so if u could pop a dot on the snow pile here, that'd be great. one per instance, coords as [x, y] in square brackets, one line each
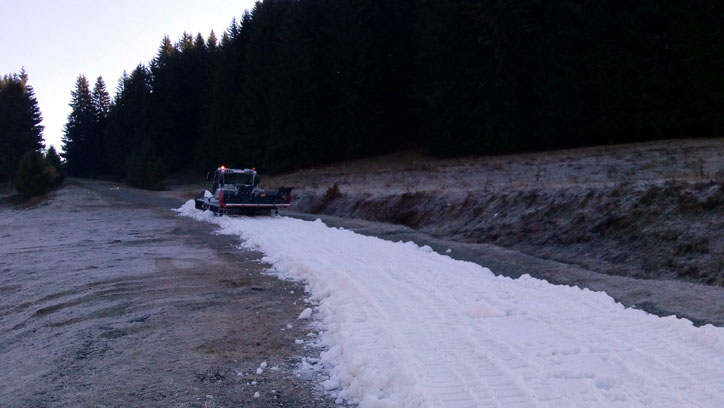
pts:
[407, 327]
[306, 314]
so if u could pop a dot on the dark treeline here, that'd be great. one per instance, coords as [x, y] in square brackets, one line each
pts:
[299, 83]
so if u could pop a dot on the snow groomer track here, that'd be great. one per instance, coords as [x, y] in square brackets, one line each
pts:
[404, 326]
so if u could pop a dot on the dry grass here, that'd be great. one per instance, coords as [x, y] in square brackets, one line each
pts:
[691, 161]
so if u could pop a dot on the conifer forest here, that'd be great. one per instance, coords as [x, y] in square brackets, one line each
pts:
[300, 83]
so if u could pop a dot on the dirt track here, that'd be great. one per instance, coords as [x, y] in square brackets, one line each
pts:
[109, 299]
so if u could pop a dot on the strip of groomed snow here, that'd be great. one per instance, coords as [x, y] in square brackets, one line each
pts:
[407, 327]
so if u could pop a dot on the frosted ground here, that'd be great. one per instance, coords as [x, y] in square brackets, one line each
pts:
[403, 326]
[109, 299]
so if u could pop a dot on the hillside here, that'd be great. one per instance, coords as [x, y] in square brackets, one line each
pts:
[648, 210]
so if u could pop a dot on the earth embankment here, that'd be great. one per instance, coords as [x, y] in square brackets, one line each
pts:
[653, 232]
[648, 213]
[650, 210]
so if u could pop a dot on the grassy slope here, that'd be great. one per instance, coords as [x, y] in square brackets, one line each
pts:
[651, 210]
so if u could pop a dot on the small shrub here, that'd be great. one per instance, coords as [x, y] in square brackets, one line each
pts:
[55, 169]
[33, 178]
[331, 194]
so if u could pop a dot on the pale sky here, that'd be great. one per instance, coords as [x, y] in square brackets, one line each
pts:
[57, 40]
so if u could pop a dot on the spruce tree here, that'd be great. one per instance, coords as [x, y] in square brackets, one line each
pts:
[101, 100]
[165, 55]
[101, 107]
[186, 43]
[212, 43]
[178, 105]
[80, 130]
[128, 119]
[234, 29]
[20, 129]
[199, 43]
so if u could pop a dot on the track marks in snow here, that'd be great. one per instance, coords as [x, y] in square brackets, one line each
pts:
[411, 328]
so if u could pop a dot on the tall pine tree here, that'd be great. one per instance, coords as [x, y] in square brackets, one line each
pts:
[128, 119]
[101, 100]
[80, 130]
[20, 129]
[101, 106]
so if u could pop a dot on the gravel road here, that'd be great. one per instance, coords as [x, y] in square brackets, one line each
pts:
[110, 299]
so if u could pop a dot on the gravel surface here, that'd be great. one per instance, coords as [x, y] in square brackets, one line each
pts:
[110, 299]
